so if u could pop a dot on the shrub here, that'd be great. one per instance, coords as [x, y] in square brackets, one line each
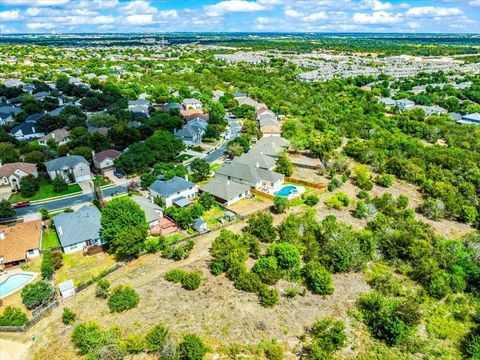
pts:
[268, 297]
[267, 270]
[13, 316]
[29, 185]
[47, 265]
[311, 200]
[261, 226]
[134, 344]
[68, 316]
[36, 294]
[174, 275]
[103, 289]
[318, 279]
[59, 184]
[191, 280]
[287, 255]
[384, 180]
[192, 348]
[362, 177]
[329, 334]
[169, 352]
[152, 245]
[247, 281]
[57, 259]
[88, 338]
[280, 204]
[156, 338]
[273, 351]
[338, 201]
[123, 297]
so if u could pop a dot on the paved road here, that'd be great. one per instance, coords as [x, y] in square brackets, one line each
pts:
[70, 201]
[235, 131]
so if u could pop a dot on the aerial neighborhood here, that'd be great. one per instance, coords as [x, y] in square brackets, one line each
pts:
[263, 196]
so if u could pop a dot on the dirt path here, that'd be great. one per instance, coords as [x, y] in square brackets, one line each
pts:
[13, 350]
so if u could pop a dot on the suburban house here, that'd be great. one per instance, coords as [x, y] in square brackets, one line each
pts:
[104, 160]
[256, 159]
[252, 176]
[12, 173]
[405, 104]
[5, 118]
[192, 104]
[34, 118]
[176, 191]
[26, 130]
[172, 106]
[268, 122]
[153, 212]
[276, 141]
[192, 133]
[433, 110]
[139, 106]
[79, 229]
[472, 119]
[19, 243]
[13, 83]
[226, 192]
[59, 135]
[200, 225]
[388, 102]
[72, 168]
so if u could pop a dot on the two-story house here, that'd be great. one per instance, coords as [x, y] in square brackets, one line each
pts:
[176, 191]
[72, 168]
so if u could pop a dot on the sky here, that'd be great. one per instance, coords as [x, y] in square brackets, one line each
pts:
[86, 16]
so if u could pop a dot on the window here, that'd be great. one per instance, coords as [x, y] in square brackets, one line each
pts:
[31, 252]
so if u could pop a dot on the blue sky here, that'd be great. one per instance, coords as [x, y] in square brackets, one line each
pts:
[57, 16]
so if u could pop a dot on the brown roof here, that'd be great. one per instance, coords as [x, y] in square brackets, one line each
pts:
[58, 134]
[18, 239]
[197, 116]
[106, 154]
[186, 113]
[9, 169]
[270, 129]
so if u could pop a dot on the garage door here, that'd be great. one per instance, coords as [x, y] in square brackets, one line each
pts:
[83, 178]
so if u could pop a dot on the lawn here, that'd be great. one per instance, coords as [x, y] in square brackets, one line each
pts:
[184, 157]
[49, 239]
[212, 215]
[45, 192]
[82, 268]
[101, 180]
[172, 239]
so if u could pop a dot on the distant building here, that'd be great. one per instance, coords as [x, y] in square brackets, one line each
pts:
[153, 212]
[472, 119]
[26, 131]
[192, 133]
[192, 104]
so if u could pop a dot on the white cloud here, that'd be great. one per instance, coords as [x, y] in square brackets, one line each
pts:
[292, 13]
[320, 15]
[138, 7]
[377, 17]
[144, 19]
[431, 11]
[474, 3]
[166, 14]
[41, 26]
[233, 6]
[10, 15]
[35, 2]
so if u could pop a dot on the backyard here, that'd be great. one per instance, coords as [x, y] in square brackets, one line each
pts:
[49, 239]
[45, 192]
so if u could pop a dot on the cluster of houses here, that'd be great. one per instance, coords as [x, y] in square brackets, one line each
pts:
[254, 58]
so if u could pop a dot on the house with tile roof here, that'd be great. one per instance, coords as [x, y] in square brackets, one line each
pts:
[12, 173]
[20, 242]
[79, 229]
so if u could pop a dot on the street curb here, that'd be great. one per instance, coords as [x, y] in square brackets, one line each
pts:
[37, 202]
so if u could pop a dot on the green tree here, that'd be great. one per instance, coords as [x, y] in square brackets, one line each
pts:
[129, 242]
[36, 294]
[267, 270]
[122, 298]
[47, 268]
[284, 165]
[68, 316]
[280, 204]
[13, 316]
[6, 209]
[200, 170]
[287, 255]
[261, 226]
[318, 279]
[29, 185]
[156, 338]
[206, 200]
[59, 184]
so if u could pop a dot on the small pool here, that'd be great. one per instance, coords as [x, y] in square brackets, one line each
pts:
[13, 283]
[286, 191]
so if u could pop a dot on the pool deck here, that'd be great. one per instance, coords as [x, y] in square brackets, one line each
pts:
[16, 271]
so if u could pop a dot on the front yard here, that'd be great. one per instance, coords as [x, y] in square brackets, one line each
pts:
[45, 192]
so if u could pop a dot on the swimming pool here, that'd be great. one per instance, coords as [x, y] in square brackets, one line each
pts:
[286, 191]
[14, 282]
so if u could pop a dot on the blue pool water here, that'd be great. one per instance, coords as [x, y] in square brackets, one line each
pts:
[14, 282]
[286, 191]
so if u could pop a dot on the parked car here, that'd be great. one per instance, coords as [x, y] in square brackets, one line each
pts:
[21, 205]
[119, 174]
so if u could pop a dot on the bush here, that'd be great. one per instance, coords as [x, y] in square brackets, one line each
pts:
[169, 352]
[29, 185]
[134, 344]
[311, 200]
[47, 265]
[191, 280]
[152, 245]
[384, 180]
[36, 294]
[268, 297]
[59, 184]
[57, 259]
[123, 297]
[192, 348]
[318, 279]
[267, 270]
[174, 275]
[362, 177]
[338, 201]
[273, 351]
[68, 316]
[103, 289]
[328, 334]
[287, 255]
[88, 338]
[280, 204]
[13, 316]
[247, 281]
[261, 226]
[156, 338]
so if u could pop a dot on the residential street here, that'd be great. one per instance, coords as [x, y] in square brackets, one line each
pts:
[235, 128]
[70, 201]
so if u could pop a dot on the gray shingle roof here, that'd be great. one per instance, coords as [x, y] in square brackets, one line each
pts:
[224, 189]
[248, 173]
[168, 187]
[152, 211]
[79, 226]
[65, 162]
[254, 158]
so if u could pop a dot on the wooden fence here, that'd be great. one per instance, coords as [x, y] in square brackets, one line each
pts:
[305, 183]
[39, 314]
